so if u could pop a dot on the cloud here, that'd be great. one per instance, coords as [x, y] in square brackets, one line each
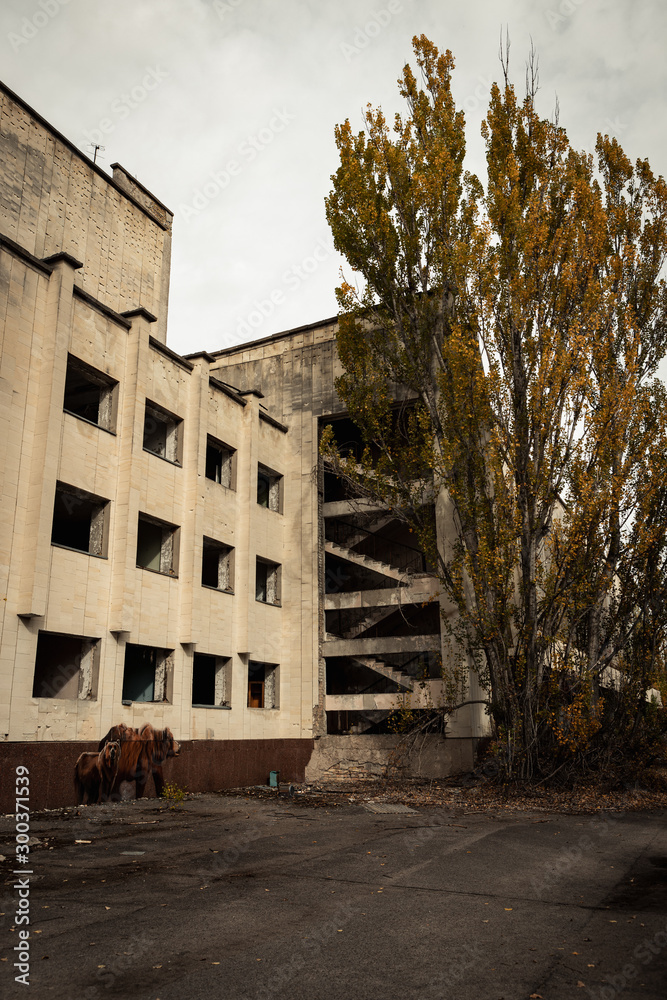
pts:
[229, 67]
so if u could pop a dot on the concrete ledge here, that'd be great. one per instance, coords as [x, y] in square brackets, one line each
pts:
[382, 646]
[424, 694]
[101, 307]
[421, 588]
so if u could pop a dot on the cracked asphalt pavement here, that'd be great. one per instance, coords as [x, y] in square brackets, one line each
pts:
[272, 898]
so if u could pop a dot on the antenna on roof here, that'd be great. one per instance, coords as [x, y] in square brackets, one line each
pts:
[95, 147]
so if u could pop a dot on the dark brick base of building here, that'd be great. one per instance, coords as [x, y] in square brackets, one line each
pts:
[202, 766]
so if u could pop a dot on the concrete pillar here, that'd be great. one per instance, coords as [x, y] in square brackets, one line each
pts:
[48, 371]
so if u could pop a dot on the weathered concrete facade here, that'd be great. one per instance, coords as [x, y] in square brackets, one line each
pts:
[145, 576]
[171, 549]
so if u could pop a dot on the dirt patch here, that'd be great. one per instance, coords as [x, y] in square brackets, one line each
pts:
[468, 795]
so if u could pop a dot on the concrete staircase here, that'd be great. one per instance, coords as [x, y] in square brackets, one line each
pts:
[366, 562]
[373, 617]
[396, 676]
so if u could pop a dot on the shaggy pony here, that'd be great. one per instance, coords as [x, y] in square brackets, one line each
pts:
[95, 773]
[142, 754]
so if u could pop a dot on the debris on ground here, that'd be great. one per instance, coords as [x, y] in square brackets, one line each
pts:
[466, 794]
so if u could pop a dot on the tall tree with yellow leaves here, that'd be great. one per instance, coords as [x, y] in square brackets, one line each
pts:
[525, 318]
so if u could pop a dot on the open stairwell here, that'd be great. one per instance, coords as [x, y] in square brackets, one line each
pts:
[366, 562]
[397, 676]
[372, 617]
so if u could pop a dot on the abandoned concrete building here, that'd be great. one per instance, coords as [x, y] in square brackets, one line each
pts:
[172, 550]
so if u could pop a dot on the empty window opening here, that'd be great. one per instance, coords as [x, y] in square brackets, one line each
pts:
[267, 582]
[263, 685]
[90, 394]
[80, 521]
[148, 673]
[217, 566]
[66, 666]
[269, 489]
[211, 681]
[163, 433]
[157, 545]
[220, 463]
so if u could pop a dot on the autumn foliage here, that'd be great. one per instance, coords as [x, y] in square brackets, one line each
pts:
[522, 321]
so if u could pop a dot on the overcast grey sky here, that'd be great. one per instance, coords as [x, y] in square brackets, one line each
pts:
[225, 110]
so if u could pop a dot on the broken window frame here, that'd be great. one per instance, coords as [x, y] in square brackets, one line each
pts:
[49, 681]
[73, 499]
[107, 393]
[170, 448]
[264, 685]
[268, 581]
[163, 674]
[269, 496]
[224, 470]
[225, 565]
[169, 546]
[222, 681]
